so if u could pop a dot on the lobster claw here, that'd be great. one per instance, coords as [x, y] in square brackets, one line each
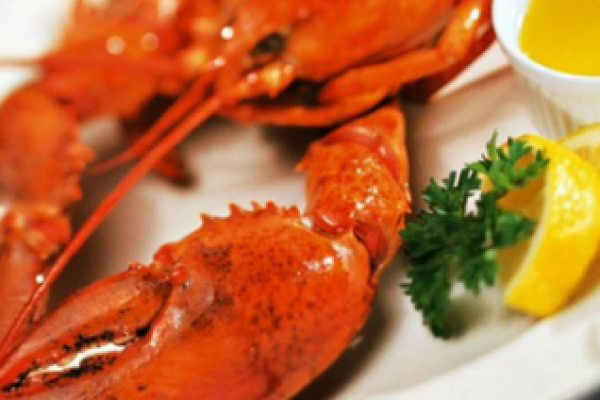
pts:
[225, 307]
[117, 311]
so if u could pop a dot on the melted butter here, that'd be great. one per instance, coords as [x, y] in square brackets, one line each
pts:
[563, 35]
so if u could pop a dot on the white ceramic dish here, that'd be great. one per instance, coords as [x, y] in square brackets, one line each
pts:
[559, 102]
[502, 356]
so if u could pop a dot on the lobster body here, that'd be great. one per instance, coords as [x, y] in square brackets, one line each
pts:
[306, 29]
[271, 60]
[254, 305]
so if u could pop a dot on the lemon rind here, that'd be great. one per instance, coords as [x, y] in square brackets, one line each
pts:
[532, 288]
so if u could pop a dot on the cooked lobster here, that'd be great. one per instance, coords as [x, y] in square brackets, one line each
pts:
[257, 302]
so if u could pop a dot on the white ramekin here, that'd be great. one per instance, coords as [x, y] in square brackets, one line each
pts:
[559, 102]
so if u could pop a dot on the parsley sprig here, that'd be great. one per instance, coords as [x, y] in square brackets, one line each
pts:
[447, 242]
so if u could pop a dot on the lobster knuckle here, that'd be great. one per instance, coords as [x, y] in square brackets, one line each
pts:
[374, 197]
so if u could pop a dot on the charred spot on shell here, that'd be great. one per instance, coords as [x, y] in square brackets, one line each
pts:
[87, 354]
[206, 319]
[271, 45]
[299, 93]
[83, 342]
[303, 93]
[18, 382]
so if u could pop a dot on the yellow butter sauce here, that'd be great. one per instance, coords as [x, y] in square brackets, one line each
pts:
[563, 35]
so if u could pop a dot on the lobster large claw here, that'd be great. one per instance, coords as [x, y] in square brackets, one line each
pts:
[250, 306]
[228, 306]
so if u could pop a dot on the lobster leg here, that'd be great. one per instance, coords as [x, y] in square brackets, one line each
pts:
[173, 166]
[183, 106]
[250, 306]
[41, 160]
[299, 115]
[459, 42]
[423, 89]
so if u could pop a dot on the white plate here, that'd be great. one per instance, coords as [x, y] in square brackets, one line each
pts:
[502, 356]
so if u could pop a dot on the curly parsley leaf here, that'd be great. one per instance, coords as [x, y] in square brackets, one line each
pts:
[447, 242]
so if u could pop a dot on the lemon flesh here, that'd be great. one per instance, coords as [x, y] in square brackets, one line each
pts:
[543, 272]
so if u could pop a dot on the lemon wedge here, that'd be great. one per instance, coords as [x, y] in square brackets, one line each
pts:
[543, 272]
[586, 143]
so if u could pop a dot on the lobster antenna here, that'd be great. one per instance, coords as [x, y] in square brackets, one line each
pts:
[156, 66]
[19, 62]
[171, 140]
[182, 107]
